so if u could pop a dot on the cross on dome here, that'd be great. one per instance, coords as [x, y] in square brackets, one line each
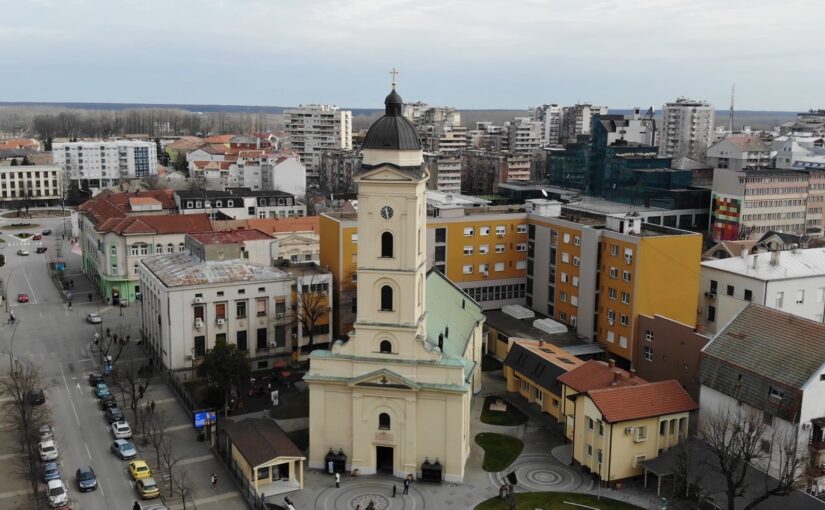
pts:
[394, 74]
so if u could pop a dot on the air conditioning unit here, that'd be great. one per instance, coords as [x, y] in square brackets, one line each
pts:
[273, 343]
[199, 323]
[486, 273]
[629, 430]
[279, 316]
[189, 357]
[198, 300]
[710, 295]
[221, 322]
[628, 258]
[611, 321]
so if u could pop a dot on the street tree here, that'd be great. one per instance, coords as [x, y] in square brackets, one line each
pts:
[739, 439]
[182, 487]
[311, 305]
[25, 419]
[169, 459]
[154, 431]
[225, 367]
[133, 386]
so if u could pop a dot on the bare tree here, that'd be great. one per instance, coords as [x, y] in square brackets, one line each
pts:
[311, 305]
[113, 343]
[739, 438]
[24, 418]
[169, 459]
[132, 387]
[154, 432]
[182, 487]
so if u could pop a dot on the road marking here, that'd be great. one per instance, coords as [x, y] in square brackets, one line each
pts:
[69, 394]
[87, 451]
[211, 499]
[30, 286]
[8, 456]
[194, 460]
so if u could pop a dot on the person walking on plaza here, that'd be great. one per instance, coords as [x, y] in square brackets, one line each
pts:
[337, 480]
[406, 485]
[214, 480]
[394, 490]
[136, 506]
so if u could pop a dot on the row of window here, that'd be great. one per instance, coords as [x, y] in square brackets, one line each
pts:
[497, 292]
[242, 342]
[241, 309]
[501, 230]
[498, 267]
[484, 249]
[613, 293]
[262, 202]
[137, 249]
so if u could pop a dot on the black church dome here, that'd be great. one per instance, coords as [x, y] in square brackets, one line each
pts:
[392, 131]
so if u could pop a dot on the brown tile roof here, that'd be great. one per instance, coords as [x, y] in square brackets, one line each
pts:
[623, 403]
[219, 139]
[143, 201]
[186, 143]
[594, 375]
[260, 440]
[162, 224]
[229, 236]
[109, 205]
[276, 225]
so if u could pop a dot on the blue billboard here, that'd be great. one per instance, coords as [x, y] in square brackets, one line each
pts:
[201, 418]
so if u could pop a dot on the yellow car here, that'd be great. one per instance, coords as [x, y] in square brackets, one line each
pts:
[147, 488]
[139, 469]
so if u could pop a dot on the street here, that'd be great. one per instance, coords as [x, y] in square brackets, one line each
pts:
[59, 341]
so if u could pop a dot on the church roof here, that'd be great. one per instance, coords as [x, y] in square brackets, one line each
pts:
[454, 314]
[392, 131]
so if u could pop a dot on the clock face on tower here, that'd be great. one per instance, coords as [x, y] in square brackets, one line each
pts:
[386, 212]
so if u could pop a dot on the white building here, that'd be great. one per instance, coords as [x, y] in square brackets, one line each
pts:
[260, 170]
[313, 129]
[791, 281]
[239, 204]
[549, 115]
[525, 135]
[575, 120]
[37, 184]
[771, 363]
[106, 163]
[445, 171]
[737, 152]
[799, 149]
[687, 129]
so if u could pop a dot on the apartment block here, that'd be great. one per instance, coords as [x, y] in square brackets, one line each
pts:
[687, 129]
[260, 169]
[576, 120]
[740, 152]
[313, 129]
[105, 163]
[445, 171]
[31, 184]
[337, 168]
[483, 171]
[525, 135]
[239, 204]
[549, 115]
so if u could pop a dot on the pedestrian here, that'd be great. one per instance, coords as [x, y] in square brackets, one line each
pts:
[71, 284]
[70, 305]
[357, 507]
[394, 490]
[337, 480]
[90, 297]
[153, 406]
[406, 485]
[214, 480]
[136, 506]
[128, 338]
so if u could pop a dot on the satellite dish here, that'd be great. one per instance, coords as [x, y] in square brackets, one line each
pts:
[544, 192]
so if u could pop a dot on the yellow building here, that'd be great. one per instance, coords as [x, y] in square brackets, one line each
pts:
[397, 391]
[617, 420]
[532, 369]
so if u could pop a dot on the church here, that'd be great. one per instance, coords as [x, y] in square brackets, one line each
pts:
[396, 393]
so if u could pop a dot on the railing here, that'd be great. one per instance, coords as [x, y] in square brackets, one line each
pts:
[248, 491]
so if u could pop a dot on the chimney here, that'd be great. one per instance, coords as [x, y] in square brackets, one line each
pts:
[611, 363]
[632, 373]
[541, 343]
[775, 254]
[617, 376]
[744, 254]
[755, 260]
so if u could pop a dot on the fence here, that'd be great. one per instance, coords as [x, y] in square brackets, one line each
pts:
[253, 499]
[179, 391]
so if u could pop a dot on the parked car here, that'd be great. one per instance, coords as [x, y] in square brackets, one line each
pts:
[94, 318]
[107, 402]
[96, 378]
[102, 390]
[48, 450]
[23, 253]
[45, 432]
[124, 449]
[37, 237]
[121, 429]
[22, 298]
[86, 479]
[50, 471]
[41, 249]
[147, 488]
[58, 496]
[114, 414]
[36, 397]
[139, 469]
[47, 232]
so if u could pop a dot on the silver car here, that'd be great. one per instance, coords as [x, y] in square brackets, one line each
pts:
[121, 430]
[94, 318]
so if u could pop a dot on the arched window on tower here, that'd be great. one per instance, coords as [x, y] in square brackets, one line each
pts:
[386, 245]
[385, 346]
[384, 421]
[386, 298]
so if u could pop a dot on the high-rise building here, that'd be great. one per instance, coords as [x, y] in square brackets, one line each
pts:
[105, 163]
[30, 184]
[525, 135]
[445, 171]
[576, 120]
[549, 115]
[687, 129]
[315, 128]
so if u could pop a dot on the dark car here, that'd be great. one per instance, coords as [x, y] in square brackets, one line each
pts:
[114, 414]
[50, 471]
[96, 378]
[41, 249]
[36, 397]
[47, 232]
[108, 402]
[86, 479]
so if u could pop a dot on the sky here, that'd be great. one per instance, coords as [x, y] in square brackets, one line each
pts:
[471, 54]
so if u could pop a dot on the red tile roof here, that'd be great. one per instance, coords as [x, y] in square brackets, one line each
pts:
[598, 374]
[110, 206]
[229, 236]
[623, 403]
[276, 225]
[160, 224]
[219, 139]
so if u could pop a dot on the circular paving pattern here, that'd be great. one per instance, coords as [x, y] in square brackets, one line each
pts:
[538, 472]
[360, 492]
[380, 502]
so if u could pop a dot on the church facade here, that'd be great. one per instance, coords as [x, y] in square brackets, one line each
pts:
[397, 392]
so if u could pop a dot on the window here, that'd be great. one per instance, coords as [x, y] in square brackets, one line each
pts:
[611, 337]
[386, 245]
[499, 267]
[484, 269]
[800, 297]
[354, 238]
[575, 281]
[170, 248]
[144, 249]
[648, 352]
[501, 230]
[133, 249]
[780, 299]
[499, 248]
[260, 339]
[711, 313]
[611, 315]
[468, 250]
[180, 247]
[574, 300]
[158, 248]
[386, 298]
[648, 335]
[577, 261]
[113, 250]
[623, 319]
[240, 309]
[565, 257]
[483, 231]
[774, 393]
[626, 276]
[135, 268]
[385, 346]
[468, 269]
[521, 264]
[614, 272]
[614, 250]
[260, 307]
[220, 310]
[730, 290]
[589, 423]
[384, 421]
[441, 235]
[577, 240]
[240, 341]
[521, 229]
[566, 238]
[469, 232]
[748, 295]
[611, 293]
[563, 277]
[623, 342]
[200, 346]
[484, 249]
[563, 297]
[521, 247]
[599, 456]
[589, 451]
[641, 433]
[713, 286]
[820, 295]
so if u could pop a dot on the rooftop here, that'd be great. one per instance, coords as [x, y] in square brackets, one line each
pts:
[543, 363]
[508, 325]
[623, 403]
[260, 440]
[594, 375]
[184, 270]
[791, 264]
[231, 192]
[229, 236]
[109, 205]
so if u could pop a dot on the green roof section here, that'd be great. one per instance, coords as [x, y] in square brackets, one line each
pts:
[450, 307]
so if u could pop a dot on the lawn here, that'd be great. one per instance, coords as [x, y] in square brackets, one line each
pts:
[489, 364]
[499, 450]
[555, 500]
[292, 405]
[510, 417]
[23, 235]
[21, 226]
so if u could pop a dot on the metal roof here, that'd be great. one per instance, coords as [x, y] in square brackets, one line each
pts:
[185, 270]
[392, 131]
[791, 264]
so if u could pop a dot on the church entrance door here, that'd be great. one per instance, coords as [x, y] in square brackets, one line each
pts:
[383, 459]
